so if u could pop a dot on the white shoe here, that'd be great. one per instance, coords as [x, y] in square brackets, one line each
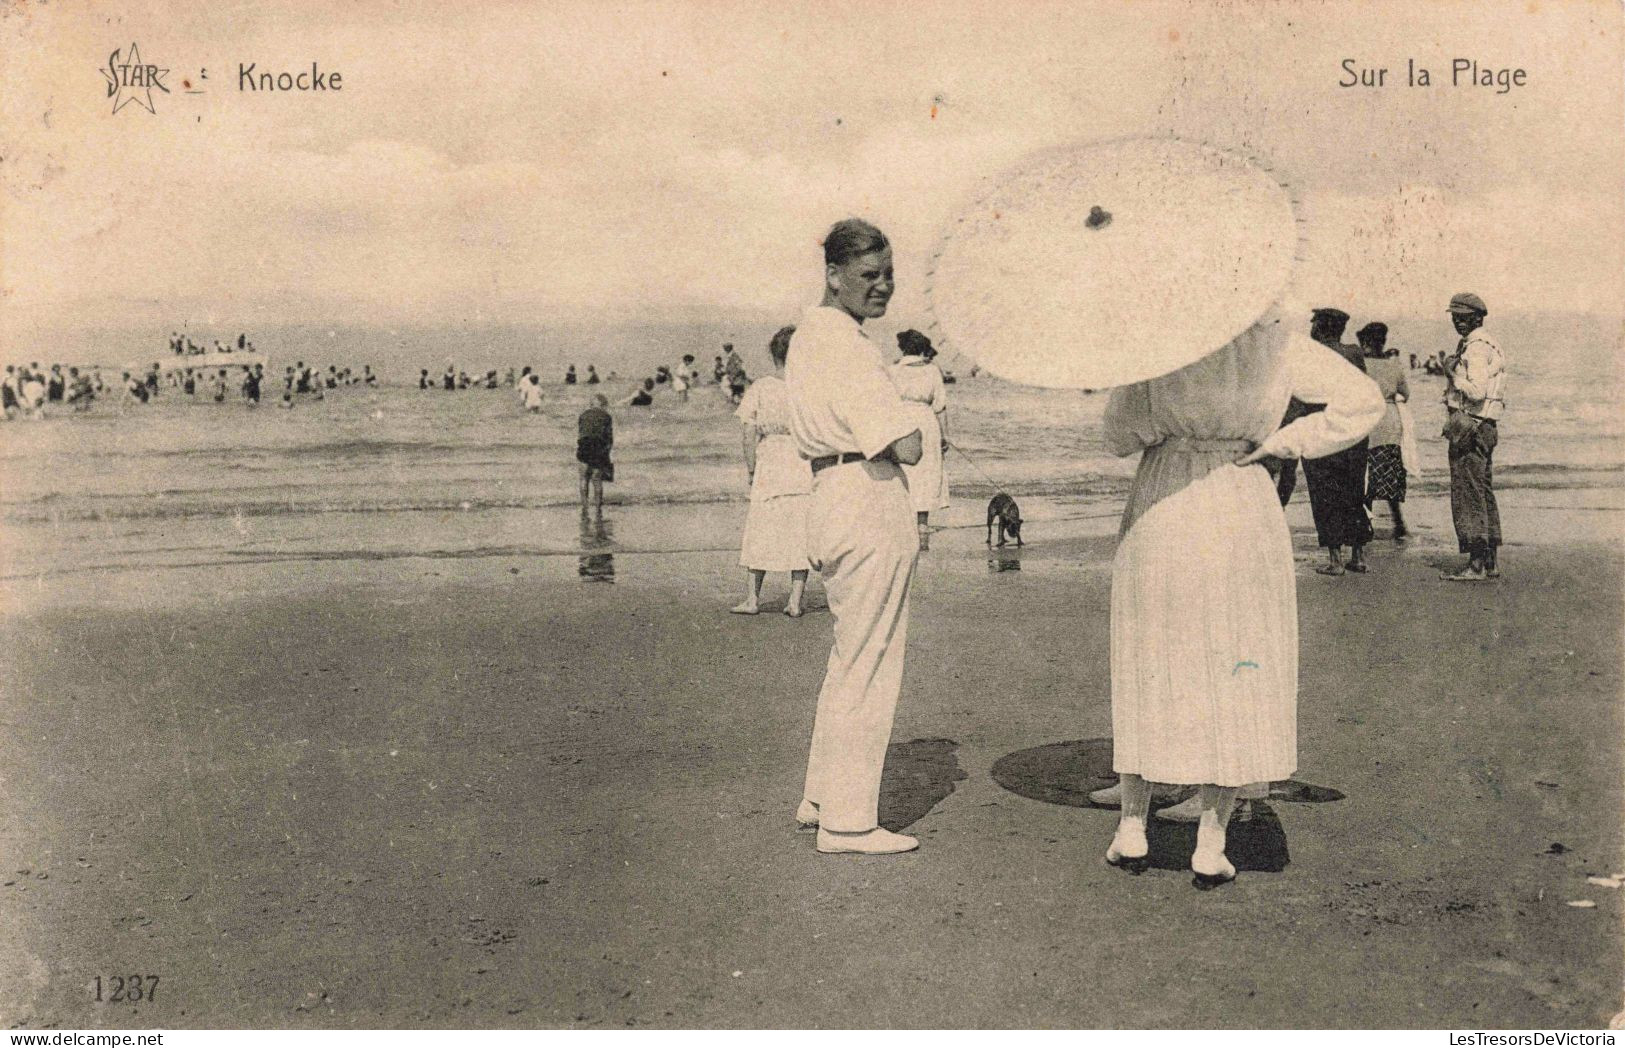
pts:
[1129, 850]
[874, 842]
[1210, 867]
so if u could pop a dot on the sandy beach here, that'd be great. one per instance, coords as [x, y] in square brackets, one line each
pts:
[323, 707]
[489, 792]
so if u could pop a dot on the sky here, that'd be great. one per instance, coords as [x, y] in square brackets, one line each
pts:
[583, 162]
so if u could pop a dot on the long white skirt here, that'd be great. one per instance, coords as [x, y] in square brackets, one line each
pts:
[776, 534]
[1204, 626]
[927, 480]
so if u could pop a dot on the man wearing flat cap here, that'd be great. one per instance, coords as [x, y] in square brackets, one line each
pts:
[1475, 383]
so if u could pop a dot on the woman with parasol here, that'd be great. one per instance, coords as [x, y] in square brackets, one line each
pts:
[1170, 291]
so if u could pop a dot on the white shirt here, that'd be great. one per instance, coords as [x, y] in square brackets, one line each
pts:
[1476, 381]
[919, 380]
[841, 399]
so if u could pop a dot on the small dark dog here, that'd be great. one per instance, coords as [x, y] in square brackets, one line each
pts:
[1003, 509]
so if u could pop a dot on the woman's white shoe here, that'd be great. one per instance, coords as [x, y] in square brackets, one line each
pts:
[874, 842]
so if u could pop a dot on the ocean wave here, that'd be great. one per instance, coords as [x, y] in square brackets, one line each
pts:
[140, 509]
[321, 498]
[232, 558]
[331, 450]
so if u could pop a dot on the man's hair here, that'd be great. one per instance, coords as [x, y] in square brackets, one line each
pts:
[851, 238]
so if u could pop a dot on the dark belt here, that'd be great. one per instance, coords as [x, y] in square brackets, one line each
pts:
[824, 462]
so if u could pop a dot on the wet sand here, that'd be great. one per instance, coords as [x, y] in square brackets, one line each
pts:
[491, 792]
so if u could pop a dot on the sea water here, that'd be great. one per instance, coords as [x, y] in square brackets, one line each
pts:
[394, 471]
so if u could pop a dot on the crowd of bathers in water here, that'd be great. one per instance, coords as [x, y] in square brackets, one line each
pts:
[728, 371]
[453, 378]
[29, 390]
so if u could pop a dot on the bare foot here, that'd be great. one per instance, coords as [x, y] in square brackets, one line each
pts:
[747, 608]
[793, 610]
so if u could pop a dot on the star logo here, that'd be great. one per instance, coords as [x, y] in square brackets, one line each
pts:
[131, 80]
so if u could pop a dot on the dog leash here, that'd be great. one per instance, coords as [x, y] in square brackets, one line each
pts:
[973, 464]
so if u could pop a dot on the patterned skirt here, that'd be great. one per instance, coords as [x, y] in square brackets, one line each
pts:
[1387, 475]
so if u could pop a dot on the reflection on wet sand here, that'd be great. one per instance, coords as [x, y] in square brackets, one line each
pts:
[596, 534]
[1003, 560]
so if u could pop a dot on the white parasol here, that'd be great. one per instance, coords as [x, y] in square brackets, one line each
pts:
[1113, 262]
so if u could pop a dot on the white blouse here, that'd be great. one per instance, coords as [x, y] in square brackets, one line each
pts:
[919, 380]
[1241, 392]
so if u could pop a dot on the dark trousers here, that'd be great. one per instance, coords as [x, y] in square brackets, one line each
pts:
[1337, 497]
[1472, 494]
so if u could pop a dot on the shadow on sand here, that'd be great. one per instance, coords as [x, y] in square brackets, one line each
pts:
[1066, 772]
[918, 776]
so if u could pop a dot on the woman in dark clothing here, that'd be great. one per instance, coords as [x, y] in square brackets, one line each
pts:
[1337, 481]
